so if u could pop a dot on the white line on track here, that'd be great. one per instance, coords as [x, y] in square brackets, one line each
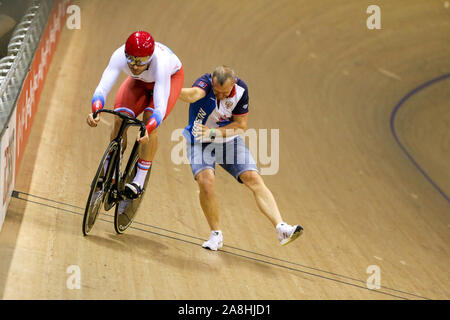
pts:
[389, 74]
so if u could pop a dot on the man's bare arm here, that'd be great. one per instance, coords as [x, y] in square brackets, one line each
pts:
[191, 95]
[239, 125]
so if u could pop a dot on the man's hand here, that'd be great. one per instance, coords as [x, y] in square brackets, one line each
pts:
[144, 139]
[203, 133]
[91, 121]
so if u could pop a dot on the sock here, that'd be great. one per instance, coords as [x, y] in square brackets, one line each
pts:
[142, 169]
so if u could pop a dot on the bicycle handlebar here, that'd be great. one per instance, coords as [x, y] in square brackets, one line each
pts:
[132, 121]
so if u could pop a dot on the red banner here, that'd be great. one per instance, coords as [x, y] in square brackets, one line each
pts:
[28, 100]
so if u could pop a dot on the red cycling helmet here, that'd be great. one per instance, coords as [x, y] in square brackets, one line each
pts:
[140, 44]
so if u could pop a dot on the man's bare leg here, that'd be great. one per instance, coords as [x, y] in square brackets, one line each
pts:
[267, 205]
[208, 201]
[263, 196]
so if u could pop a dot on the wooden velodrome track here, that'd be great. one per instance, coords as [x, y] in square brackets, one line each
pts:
[331, 87]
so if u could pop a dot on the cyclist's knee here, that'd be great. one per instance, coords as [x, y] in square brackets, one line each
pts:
[146, 116]
[154, 133]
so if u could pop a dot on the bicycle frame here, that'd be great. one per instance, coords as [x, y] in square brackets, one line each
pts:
[127, 122]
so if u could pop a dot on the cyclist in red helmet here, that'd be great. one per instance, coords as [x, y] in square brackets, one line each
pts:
[154, 82]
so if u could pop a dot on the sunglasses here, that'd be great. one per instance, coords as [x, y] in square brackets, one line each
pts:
[140, 61]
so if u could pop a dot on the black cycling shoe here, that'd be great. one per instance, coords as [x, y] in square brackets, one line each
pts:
[132, 190]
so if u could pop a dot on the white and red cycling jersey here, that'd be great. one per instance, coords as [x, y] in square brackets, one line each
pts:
[164, 64]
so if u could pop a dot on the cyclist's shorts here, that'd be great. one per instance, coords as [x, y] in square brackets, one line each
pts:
[135, 96]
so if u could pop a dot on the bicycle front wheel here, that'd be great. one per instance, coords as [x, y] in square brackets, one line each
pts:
[99, 189]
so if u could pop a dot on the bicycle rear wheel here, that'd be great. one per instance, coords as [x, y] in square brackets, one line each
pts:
[99, 188]
[126, 209]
